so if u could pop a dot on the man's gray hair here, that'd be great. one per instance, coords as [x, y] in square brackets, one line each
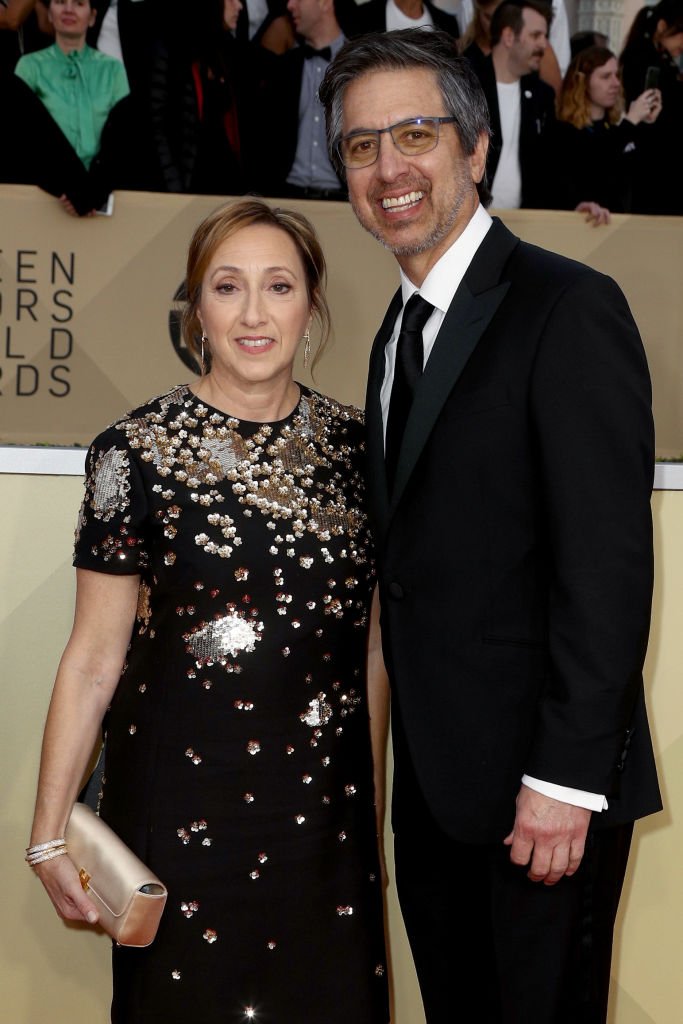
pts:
[404, 50]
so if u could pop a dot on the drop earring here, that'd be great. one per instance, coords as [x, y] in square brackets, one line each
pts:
[307, 346]
[202, 358]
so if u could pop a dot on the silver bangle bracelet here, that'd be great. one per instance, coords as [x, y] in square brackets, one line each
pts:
[40, 858]
[30, 850]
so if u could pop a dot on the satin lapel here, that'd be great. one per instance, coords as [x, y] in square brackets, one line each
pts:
[378, 497]
[472, 309]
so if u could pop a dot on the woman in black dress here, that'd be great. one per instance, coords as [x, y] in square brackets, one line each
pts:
[599, 147]
[224, 561]
[204, 86]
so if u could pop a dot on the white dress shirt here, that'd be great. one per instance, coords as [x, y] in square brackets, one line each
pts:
[439, 288]
[506, 187]
[396, 19]
[109, 40]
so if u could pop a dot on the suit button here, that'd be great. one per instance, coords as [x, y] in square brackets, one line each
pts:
[396, 590]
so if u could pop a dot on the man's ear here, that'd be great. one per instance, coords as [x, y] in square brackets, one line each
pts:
[507, 37]
[478, 158]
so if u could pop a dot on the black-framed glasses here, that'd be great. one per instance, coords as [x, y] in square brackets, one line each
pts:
[413, 137]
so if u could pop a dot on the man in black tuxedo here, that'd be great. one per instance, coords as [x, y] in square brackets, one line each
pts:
[514, 547]
[295, 163]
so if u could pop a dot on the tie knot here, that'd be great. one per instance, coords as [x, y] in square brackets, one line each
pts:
[415, 314]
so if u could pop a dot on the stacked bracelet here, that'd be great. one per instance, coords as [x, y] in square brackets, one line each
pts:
[45, 851]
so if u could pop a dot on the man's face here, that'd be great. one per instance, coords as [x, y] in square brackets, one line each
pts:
[306, 15]
[416, 206]
[529, 46]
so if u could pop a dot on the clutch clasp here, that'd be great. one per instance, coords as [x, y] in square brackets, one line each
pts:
[85, 878]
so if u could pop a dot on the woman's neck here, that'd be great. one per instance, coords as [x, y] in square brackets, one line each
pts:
[260, 403]
[68, 46]
[596, 113]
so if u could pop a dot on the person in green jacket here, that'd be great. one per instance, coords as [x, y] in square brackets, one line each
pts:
[78, 86]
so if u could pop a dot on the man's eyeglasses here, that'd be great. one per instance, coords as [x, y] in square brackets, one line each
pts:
[412, 138]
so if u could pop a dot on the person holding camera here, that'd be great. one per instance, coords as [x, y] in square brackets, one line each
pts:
[650, 59]
[599, 147]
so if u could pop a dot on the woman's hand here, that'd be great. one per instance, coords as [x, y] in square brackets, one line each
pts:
[595, 214]
[60, 878]
[71, 209]
[647, 107]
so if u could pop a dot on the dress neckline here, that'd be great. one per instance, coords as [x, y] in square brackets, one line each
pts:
[252, 426]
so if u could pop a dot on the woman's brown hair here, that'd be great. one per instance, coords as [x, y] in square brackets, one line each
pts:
[574, 103]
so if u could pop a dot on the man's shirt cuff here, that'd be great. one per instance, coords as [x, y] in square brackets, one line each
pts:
[578, 797]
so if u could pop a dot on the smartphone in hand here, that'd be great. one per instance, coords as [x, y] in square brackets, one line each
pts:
[651, 78]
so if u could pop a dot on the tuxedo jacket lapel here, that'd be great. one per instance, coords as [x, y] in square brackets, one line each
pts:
[472, 309]
[467, 318]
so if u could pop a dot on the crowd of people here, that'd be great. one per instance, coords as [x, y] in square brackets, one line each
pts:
[222, 98]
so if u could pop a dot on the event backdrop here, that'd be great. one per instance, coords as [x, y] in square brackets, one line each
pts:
[85, 304]
[121, 275]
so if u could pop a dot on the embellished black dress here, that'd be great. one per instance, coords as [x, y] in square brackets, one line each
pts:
[238, 757]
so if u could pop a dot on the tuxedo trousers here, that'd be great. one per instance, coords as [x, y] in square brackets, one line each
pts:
[491, 946]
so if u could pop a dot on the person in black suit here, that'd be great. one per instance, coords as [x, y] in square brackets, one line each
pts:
[514, 542]
[383, 16]
[522, 164]
[132, 31]
[132, 28]
[521, 106]
[294, 161]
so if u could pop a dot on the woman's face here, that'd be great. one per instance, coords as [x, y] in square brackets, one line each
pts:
[254, 307]
[231, 12]
[673, 44]
[71, 18]
[604, 85]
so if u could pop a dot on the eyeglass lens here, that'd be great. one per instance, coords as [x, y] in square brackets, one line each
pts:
[410, 137]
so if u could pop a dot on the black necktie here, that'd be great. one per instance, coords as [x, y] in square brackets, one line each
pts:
[407, 372]
[325, 52]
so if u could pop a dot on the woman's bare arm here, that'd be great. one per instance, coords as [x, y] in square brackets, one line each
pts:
[86, 680]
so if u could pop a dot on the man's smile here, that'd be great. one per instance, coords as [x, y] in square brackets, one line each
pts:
[408, 199]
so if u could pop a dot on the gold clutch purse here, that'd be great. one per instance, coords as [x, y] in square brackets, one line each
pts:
[130, 899]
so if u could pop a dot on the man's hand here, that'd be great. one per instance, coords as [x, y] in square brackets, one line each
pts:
[548, 835]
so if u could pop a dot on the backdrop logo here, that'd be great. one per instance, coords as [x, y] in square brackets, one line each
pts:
[175, 317]
[36, 329]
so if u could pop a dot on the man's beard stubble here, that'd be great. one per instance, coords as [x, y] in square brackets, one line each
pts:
[441, 229]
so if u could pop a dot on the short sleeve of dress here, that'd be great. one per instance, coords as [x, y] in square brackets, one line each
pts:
[112, 528]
